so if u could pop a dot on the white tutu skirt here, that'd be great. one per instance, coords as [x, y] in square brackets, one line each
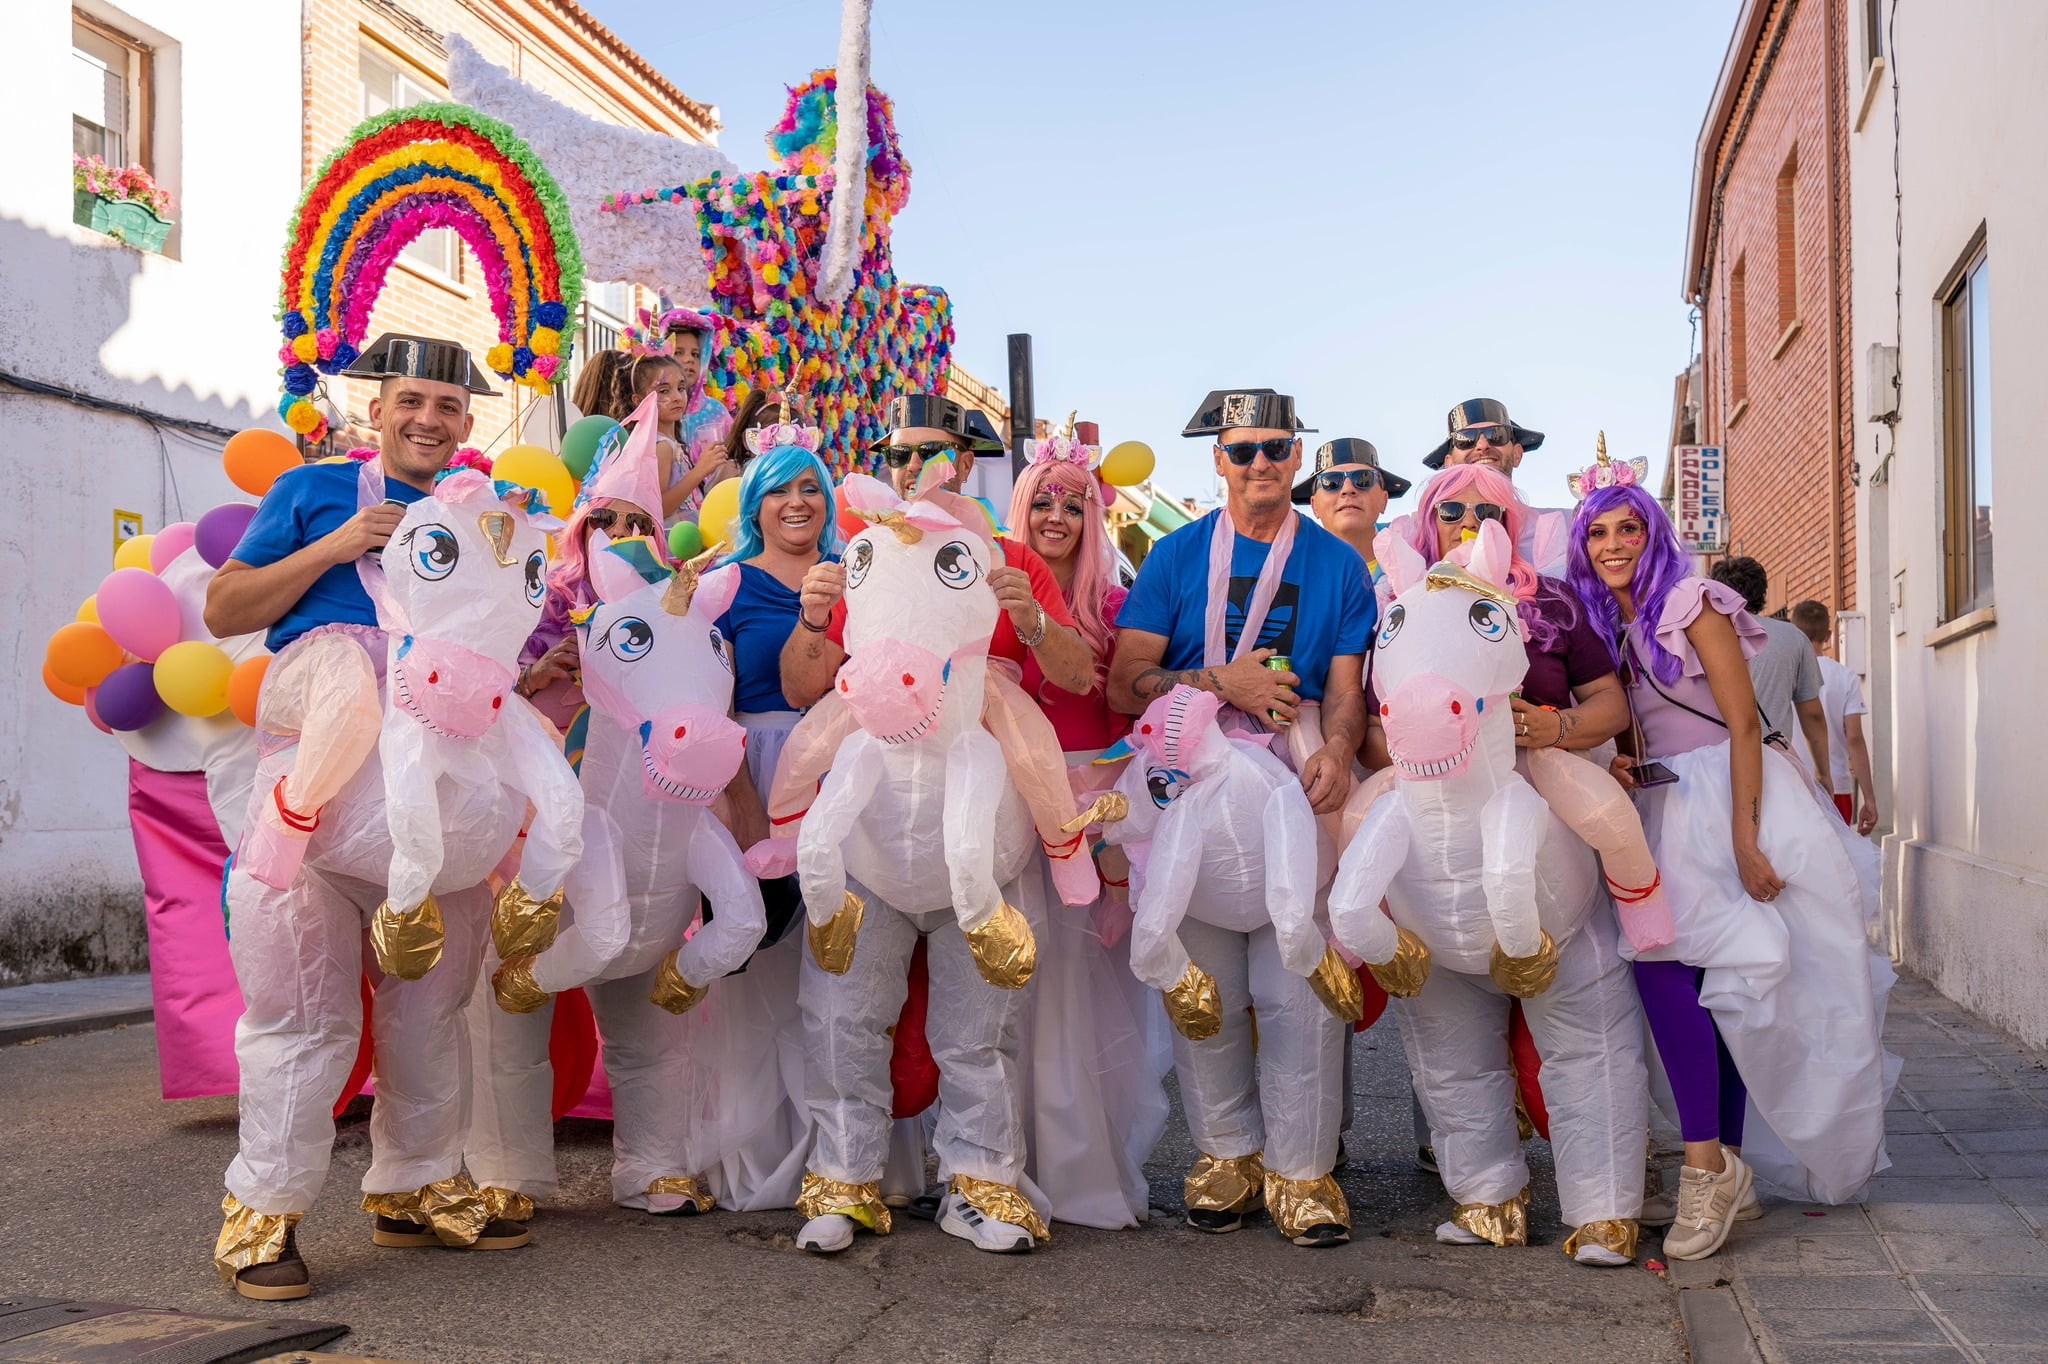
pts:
[1794, 988]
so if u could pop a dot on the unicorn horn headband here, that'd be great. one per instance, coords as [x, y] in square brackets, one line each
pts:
[1606, 472]
[1064, 449]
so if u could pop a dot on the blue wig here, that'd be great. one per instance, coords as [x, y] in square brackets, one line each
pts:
[764, 474]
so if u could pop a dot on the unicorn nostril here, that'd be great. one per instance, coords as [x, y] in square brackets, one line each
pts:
[1385, 709]
[909, 681]
[1457, 709]
[433, 677]
[842, 684]
[681, 730]
[497, 702]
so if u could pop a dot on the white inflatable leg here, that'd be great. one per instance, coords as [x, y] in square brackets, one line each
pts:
[532, 759]
[975, 1032]
[722, 946]
[1300, 1064]
[1364, 872]
[1512, 825]
[597, 918]
[1456, 1035]
[645, 1061]
[1218, 1079]
[846, 1023]
[413, 762]
[511, 1141]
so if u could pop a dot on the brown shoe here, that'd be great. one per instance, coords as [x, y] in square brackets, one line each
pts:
[281, 1279]
[500, 1233]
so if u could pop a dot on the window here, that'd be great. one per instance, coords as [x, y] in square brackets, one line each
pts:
[1788, 243]
[387, 84]
[109, 101]
[1966, 432]
[1738, 334]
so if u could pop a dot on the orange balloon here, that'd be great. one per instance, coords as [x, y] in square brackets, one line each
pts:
[254, 458]
[245, 684]
[82, 654]
[851, 524]
[62, 690]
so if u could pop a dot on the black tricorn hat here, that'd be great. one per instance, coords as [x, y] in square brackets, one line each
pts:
[970, 424]
[1255, 408]
[394, 355]
[1345, 450]
[1478, 412]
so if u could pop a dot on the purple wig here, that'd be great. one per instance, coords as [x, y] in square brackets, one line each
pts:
[1663, 566]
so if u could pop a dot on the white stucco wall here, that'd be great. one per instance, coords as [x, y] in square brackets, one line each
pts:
[1967, 856]
[187, 335]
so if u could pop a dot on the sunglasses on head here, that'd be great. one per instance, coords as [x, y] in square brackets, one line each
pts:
[1491, 434]
[1452, 512]
[1333, 480]
[896, 456]
[1243, 452]
[605, 518]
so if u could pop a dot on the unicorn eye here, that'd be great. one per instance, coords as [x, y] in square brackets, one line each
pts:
[536, 577]
[1489, 621]
[1165, 784]
[955, 565]
[434, 551]
[858, 560]
[1396, 616]
[629, 639]
[721, 649]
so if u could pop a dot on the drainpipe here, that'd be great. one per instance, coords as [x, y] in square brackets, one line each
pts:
[1836, 150]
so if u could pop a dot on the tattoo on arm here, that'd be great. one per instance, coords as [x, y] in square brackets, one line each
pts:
[1756, 810]
[1155, 682]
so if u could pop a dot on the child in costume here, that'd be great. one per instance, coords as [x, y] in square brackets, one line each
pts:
[670, 354]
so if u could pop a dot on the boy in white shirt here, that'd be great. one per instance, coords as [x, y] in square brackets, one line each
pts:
[1841, 696]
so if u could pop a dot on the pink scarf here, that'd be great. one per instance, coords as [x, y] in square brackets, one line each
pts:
[1222, 543]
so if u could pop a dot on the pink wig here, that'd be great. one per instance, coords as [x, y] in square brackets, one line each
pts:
[1094, 559]
[1479, 483]
[569, 579]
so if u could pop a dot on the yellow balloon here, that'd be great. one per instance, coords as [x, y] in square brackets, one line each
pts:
[532, 467]
[89, 609]
[1127, 463]
[134, 552]
[192, 678]
[721, 510]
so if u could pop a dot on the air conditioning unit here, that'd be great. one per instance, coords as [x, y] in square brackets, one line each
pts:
[1882, 398]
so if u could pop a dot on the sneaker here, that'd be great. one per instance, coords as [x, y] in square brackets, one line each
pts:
[1425, 1160]
[1749, 1209]
[500, 1233]
[925, 1206]
[278, 1280]
[826, 1235]
[1323, 1235]
[1600, 1257]
[1214, 1222]
[1706, 1209]
[672, 1205]
[1660, 1209]
[972, 1225]
[1451, 1234]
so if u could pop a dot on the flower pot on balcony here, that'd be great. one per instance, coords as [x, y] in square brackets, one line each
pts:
[125, 220]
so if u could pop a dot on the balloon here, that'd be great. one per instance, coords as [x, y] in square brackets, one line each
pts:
[720, 510]
[62, 690]
[245, 684]
[254, 458]
[1128, 463]
[220, 530]
[134, 552]
[139, 610]
[192, 678]
[685, 541]
[532, 467]
[169, 543]
[579, 443]
[89, 610]
[538, 427]
[128, 699]
[82, 654]
[851, 524]
[92, 710]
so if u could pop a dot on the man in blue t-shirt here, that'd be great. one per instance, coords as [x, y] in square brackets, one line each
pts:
[1264, 1118]
[298, 946]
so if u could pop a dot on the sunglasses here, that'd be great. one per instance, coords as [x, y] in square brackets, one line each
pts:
[1333, 480]
[1451, 513]
[896, 456]
[1243, 452]
[604, 518]
[1492, 435]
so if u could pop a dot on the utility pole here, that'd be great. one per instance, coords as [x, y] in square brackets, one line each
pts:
[1020, 399]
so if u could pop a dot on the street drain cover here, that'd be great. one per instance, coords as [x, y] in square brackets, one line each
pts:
[63, 1331]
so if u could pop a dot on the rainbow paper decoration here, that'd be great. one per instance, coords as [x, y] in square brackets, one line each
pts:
[397, 175]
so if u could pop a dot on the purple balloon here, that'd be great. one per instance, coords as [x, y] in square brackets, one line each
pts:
[220, 530]
[128, 699]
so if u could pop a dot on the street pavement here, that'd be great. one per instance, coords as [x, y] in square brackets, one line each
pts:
[112, 1194]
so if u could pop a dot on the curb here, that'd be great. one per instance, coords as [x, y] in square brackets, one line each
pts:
[1716, 1330]
[65, 1024]
[85, 1004]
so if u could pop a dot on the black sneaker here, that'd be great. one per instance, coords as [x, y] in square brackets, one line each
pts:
[1323, 1234]
[925, 1207]
[1425, 1160]
[1213, 1222]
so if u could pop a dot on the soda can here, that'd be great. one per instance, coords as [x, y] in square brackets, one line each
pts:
[1279, 663]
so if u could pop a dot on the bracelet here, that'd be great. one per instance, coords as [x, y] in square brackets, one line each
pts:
[519, 684]
[1044, 624]
[805, 621]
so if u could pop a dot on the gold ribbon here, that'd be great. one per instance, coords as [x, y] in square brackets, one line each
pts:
[1193, 1004]
[1107, 808]
[1404, 974]
[862, 1202]
[1224, 1183]
[1003, 1202]
[832, 941]
[675, 994]
[1504, 1224]
[248, 1237]
[688, 1187]
[1298, 1204]
[1525, 977]
[408, 941]
[505, 1203]
[514, 985]
[522, 926]
[1004, 951]
[1616, 1233]
[1337, 986]
[452, 1208]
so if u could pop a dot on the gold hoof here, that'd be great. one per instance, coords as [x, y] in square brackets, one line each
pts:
[1404, 974]
[1194, 1006]
[1004, 950]
[522, 926]
[1107, 808]
[678, 996]
[1337, 986]
[1525, 977]
[515, 987]
[407, 941]
[832, 941]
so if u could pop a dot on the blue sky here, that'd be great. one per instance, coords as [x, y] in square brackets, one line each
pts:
[1380, 208]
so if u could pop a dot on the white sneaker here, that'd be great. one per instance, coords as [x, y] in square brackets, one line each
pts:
[1749, 1209]
[827, 1235]
[1707, 1203]
[1660, 1209]
[1451, 1234]
[970, 1224]
[1599, 1256]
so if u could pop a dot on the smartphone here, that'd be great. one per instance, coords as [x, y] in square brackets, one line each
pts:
[1652, 773]
[378, 552]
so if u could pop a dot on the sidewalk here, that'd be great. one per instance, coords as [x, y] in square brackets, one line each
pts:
[1946, 1262]
[65, 1006]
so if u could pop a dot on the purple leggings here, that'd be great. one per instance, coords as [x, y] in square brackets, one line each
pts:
[1710, 1094]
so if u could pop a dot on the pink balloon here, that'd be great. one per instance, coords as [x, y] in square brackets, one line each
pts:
[170, 542]
[92, 711]
[139, 610]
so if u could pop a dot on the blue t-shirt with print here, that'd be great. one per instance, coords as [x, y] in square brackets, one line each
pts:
[757, 625]
[1320, 610]
[303, 505]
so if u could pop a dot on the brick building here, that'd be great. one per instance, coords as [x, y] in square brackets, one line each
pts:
[1767, 265]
